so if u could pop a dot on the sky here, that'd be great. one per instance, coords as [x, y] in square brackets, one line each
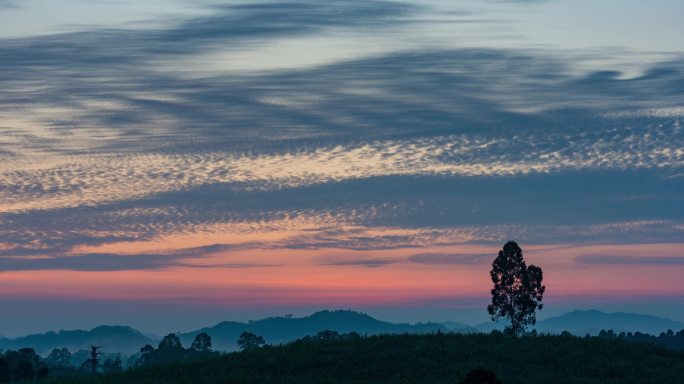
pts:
[172, 164]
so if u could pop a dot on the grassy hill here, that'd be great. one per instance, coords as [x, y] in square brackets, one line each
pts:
[426, 359]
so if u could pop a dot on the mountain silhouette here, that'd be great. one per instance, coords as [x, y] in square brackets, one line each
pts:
[277, 330]
[458, 327]
[111, 338]
[592, 322]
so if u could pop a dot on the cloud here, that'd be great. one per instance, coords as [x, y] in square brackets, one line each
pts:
[234, 25]
[521, 1]
[451, 258]
[9, 3]
[137, 176]
[630, 260]
[371, 263]
[375, 213]
[88, 262]
[278, 19]
[119, 262]
[109, 146]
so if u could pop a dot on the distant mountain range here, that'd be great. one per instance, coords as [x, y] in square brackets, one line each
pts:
[458, 327]
[224, 335]
[111, 338]
[592, 322]
[277, 330]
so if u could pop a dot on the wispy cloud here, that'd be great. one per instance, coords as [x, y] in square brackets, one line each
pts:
[109, 145]
[630, 260]
[89, 262]
[9, 3]
[106, 179]
[370, 262]
[450, 258]
[123, 262]
[521, 1]
[286, 17]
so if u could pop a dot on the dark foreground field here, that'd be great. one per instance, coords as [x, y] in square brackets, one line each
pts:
[442, 358]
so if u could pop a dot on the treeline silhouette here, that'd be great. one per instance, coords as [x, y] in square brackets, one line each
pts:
[436, 359]
[171, 351]
[25, 364]
[669, 339]
[22, 365]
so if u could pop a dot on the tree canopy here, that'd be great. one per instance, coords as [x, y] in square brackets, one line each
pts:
[202, 343]
[518, 291]
[249, 341]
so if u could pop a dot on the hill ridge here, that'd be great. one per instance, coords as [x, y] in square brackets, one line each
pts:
[283, 329]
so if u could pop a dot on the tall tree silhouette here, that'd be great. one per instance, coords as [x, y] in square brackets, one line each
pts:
[170, 341]
[111, 366]
[169, 351]
[249, 341]
[202, 343]
[518, 289]
[93, 363]
[146, 353]
[59, 357]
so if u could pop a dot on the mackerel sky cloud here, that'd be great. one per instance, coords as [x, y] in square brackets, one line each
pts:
[251, 158]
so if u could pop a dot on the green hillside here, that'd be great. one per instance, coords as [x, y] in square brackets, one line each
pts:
[440, 358]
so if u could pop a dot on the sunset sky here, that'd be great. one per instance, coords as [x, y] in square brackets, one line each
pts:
[169, 164]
